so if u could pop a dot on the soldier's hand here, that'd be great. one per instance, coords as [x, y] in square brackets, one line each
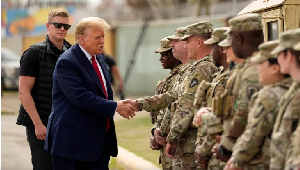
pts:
[198, 116]
[153, 144]
[159, 139]
[217, 153]
[230, 166]
[171, 150]
[199, 159]
[134, 103]
[126, 109]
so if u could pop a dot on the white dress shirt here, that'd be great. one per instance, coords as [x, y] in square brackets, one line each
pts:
[89, 57]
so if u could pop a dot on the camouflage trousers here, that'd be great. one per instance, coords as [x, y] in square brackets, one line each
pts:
[215, 164]
[165, 161]
[255, 167]
[187, 162]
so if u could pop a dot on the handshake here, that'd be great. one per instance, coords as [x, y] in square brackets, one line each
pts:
[127, 108]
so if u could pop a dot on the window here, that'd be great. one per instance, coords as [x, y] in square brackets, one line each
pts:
[272, 30]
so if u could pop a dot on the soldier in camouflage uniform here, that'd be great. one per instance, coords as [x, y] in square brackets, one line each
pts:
[168, 62]
[295, 142]
[246, 35]
[288, 116]
[207, 91]
[163, 124]
[182, 135]
[251, 151]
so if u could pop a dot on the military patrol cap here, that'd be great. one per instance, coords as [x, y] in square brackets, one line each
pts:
[217, 35]
[203, 27]
[179, 33]
[226, 42]
[245, 22]
[265, 50]
[165, 45]
[287, 40]
[297, 47]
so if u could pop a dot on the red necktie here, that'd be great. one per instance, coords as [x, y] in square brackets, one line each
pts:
[95, 65]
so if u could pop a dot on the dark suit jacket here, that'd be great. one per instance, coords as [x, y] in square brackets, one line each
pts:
[77, 124]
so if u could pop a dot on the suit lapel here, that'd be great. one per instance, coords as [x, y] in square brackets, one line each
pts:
[88, 66]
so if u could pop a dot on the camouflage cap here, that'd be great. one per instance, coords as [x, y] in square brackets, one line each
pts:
[217, 35]
[203, 27]
[287, 40]
[165, 45]
[297, 47]
[265, 50]
[226, 42]
[245, 22]
[179, 33]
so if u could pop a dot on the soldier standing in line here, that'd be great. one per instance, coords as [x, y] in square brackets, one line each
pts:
[251, 151]
[212, 123]
[207, 91]
[288, 115]
[162, 126]
[182, 136]
[246, 34]
[168, 62]
[295, 142]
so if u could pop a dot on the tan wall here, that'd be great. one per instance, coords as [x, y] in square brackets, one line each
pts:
[109, 41]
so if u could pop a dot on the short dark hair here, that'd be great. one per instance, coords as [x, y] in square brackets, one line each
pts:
[295, 53]
[204, 37]
[275, 61]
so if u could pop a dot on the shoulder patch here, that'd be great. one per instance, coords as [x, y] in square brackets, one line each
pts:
[251, 90]
[194, 82]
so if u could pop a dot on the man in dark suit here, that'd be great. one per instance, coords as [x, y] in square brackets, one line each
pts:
[81, 132]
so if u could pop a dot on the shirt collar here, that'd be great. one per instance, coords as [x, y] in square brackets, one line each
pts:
[86, 53]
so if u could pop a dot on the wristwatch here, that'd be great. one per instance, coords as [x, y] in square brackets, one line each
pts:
[223, 151]
[152, 131]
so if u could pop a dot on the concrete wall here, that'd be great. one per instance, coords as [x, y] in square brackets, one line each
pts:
[13, 43]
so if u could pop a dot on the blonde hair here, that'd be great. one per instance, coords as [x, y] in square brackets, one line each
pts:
[57, 12]
[88, 22]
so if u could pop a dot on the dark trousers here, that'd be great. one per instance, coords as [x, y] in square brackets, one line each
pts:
[40, 158]
[60, 163]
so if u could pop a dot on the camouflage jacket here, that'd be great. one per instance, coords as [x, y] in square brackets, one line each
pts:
[181, 131]
[245, 85]
[163, 86]
[161, 101]
[165, 120]
[296, 147]
[284, 129]
[254, 144]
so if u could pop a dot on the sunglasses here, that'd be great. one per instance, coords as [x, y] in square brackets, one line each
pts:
[59, 25]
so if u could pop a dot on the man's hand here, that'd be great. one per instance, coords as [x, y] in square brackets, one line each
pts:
[171, 150]
[41, 131]
[198, 116]
[200, 160]
[159, 139]
[216, 150]
[153, 144]
[125, 109]
[230, 166]
[132, 102]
